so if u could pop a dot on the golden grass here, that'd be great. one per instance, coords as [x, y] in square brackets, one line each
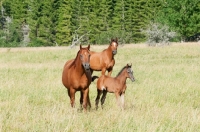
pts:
[165, 96]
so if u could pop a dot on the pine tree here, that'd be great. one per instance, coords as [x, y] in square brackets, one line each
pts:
[16, 11]
[63, 30]
[103, 20]
[182, 16]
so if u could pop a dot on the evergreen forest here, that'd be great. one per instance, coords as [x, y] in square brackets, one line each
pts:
[64, 22]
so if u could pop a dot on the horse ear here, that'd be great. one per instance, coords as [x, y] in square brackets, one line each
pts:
[89, 47]
[129, 65]
[80, 46]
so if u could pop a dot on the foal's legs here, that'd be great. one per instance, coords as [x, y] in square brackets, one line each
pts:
[117, 98]
[103, 98]
[122, 101]
[99, 92]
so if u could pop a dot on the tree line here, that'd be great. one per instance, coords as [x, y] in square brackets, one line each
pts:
[67, 22]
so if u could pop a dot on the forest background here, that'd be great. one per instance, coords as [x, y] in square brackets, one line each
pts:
[61, 22]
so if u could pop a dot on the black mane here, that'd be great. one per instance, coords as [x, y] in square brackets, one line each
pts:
[121, 71]
[73, 63]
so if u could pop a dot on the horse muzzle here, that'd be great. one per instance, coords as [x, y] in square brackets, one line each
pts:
[132, 79]
[86, 66]
[114, 52]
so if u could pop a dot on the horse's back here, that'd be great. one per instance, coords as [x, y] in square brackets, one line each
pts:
[106, 82]
[103, 80]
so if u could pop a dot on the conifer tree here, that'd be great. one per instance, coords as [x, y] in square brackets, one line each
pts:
[63, 30]
[182, 16]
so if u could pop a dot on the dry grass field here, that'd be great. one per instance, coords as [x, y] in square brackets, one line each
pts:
[164, 98]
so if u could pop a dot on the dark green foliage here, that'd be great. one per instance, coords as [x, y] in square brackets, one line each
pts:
[63, 30]
[182, 16]
[58, 22]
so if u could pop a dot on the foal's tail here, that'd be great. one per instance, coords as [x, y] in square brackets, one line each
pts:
[94, 77]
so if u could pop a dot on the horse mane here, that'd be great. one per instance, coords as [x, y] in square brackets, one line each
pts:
[121, 71]
[74, 59]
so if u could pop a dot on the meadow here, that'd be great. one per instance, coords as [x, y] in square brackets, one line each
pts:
[164, 98]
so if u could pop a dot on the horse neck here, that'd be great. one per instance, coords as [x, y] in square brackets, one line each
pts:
[80, 70]
[109, 51]
[78, 66]
[122, 77]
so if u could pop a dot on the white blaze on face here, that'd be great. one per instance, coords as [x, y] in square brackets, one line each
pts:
[114, 44]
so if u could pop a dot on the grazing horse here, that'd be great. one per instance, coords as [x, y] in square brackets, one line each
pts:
[77, 77]
[115, 85]
[102, 61]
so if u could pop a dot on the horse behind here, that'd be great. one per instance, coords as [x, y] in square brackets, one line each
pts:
[77, 77]
[115, 85]
[104, 61]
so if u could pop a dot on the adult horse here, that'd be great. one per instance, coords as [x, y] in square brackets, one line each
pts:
[115, 85]
[77, 77]
[104, 61]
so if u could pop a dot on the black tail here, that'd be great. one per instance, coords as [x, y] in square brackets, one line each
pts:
[94, 77]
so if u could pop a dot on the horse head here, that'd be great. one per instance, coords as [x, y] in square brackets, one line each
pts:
[85, 57]
[113, 45]
[130, 72]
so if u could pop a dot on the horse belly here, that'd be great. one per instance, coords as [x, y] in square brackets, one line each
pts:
[84, 82]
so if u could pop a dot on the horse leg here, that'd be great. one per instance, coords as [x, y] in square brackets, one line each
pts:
[88, 100]
[117, 98]
[68, 91]
[109, 72]
[72, 97]
[122, 100]
[85, 98]
[99, 92]
[103, 72]
[103, 98]
[81, 99]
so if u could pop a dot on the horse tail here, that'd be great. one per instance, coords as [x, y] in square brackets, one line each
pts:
[94, 77]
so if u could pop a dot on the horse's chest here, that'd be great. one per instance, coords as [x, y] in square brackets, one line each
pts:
[121, 89]
[81, 83]
[110, 63]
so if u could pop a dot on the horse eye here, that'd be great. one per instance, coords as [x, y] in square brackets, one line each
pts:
[81, 56]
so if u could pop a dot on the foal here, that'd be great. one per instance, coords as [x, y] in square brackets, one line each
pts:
[115, 85]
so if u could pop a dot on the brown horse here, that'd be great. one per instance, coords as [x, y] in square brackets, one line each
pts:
[115, 85]
[77, 77]
[102, 61]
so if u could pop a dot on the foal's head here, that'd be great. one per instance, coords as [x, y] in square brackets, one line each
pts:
[85, 57]
[113, 45]
[130, 72]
